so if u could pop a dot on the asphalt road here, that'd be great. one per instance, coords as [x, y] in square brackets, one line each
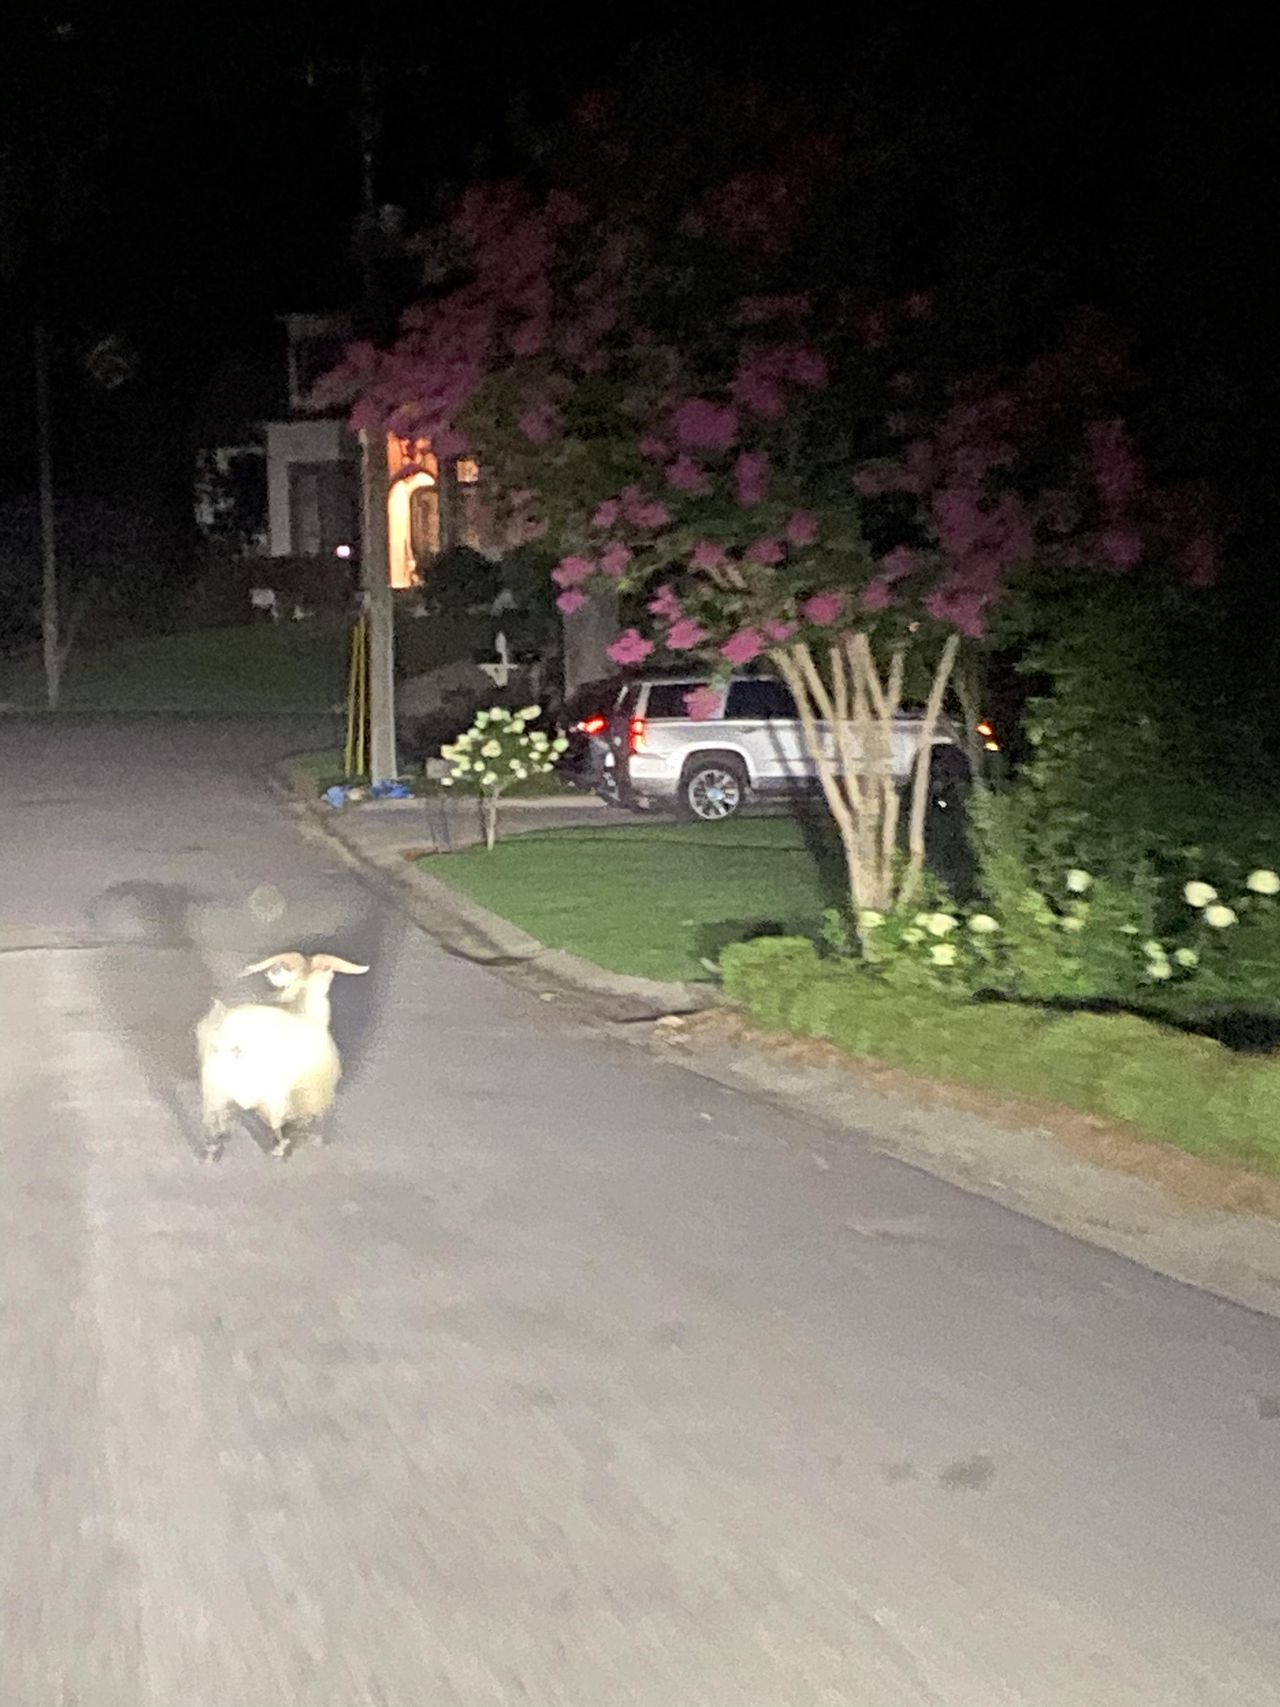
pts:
[563, 1376]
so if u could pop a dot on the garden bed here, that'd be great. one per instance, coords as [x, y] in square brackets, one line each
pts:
[1164, 1083]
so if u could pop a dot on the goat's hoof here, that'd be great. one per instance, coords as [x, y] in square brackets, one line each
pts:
[212, 1153]
[283, 1147]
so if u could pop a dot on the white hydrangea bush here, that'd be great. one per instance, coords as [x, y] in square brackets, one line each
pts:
[1092, 938]
[498, 751]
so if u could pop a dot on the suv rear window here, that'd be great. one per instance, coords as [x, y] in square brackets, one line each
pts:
[761, 699]
[667, 699]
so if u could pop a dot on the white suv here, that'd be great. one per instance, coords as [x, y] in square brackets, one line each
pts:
[653, 754]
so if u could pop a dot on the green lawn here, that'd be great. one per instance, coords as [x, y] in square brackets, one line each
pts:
[258, 667]
[655, 900]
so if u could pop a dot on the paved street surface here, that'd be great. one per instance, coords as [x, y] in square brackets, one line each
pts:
[562, 1376]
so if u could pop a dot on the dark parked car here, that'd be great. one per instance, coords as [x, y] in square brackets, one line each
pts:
[583, 720]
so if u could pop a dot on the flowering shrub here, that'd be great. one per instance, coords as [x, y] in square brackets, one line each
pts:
[1086, 939]
[498, 750]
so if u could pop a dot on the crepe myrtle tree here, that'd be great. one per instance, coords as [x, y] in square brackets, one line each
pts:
[745, 546]
[693, 429]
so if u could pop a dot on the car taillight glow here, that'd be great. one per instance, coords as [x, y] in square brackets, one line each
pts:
[990, 744]
[593, 725]
[636, 732]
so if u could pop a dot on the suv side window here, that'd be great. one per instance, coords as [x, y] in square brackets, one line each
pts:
[760, 700]
[667, 699]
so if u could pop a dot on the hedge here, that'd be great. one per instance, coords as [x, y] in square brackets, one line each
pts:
[1170, 1085]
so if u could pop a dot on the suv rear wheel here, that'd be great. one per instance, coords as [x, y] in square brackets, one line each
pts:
[713, 786]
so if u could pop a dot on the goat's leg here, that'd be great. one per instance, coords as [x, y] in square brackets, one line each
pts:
[283, 1136]
[215, 1121]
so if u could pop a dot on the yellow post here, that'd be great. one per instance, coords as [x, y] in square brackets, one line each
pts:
[357, 703]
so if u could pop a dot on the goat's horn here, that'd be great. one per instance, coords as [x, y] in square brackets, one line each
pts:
[291, 962]
[334, 963]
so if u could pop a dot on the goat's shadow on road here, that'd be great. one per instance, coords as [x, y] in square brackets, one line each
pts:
[155, 982]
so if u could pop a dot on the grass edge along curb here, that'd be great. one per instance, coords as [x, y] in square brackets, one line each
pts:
[463, 927]
[1179, 1089]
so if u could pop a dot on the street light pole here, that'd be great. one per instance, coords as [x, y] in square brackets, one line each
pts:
[379, 606]
[50, 634]
[375, 566]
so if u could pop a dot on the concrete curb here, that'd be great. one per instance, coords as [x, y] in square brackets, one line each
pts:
[472, 932]
[1233, 1255]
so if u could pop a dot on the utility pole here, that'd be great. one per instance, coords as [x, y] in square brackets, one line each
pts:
[50, 633]
[375, 568]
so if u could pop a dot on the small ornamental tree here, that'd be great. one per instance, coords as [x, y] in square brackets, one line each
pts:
[495, 754]
[703, 425]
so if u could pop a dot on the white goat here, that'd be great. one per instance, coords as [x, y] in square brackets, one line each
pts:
[279, 1062]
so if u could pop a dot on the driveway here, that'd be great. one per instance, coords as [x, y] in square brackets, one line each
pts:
[563, 1376]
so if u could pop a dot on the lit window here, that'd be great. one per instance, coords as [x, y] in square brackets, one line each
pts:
[468, 471]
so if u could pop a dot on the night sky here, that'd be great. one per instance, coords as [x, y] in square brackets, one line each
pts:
[1134, 168]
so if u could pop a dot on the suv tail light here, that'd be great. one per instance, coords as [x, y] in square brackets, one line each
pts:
[990, 743]
[637, 729]
[593, 725]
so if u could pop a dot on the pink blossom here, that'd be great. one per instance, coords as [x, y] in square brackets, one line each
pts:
[703, 425]
[572, 571]
[592, 110]
[649, 515]
[707, 556]
[685, 634]
[872, 329]
[823, 609]
[450, 442]
[654, 449]
[897, 563]
[751, 476]
[564, 209]
[615, 558]
[1121, 546]
[757, 387]
[962, 607]
[960, 519]
[877, 594]
[630, 648]
[757, 310]
[778, 633]
[742, 647]
[1117, 470]
[802, 529]
[809, 367]
[702, 704]
[687, 475]
[571, 601]
[607, 514]
[874, 479]
[540, 423]
[643, 512]
[766, 552]
[1200, 561]
[666, 605]
[528, 339]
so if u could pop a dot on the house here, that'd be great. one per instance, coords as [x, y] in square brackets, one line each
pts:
[313, 475]
[282, 479]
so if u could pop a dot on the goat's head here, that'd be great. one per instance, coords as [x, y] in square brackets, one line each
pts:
[295, 975]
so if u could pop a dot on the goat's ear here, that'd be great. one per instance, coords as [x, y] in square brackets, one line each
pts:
[334, 963]
[291, 962]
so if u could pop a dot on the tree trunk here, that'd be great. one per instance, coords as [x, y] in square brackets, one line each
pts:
[587, 634]
[923, 766]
